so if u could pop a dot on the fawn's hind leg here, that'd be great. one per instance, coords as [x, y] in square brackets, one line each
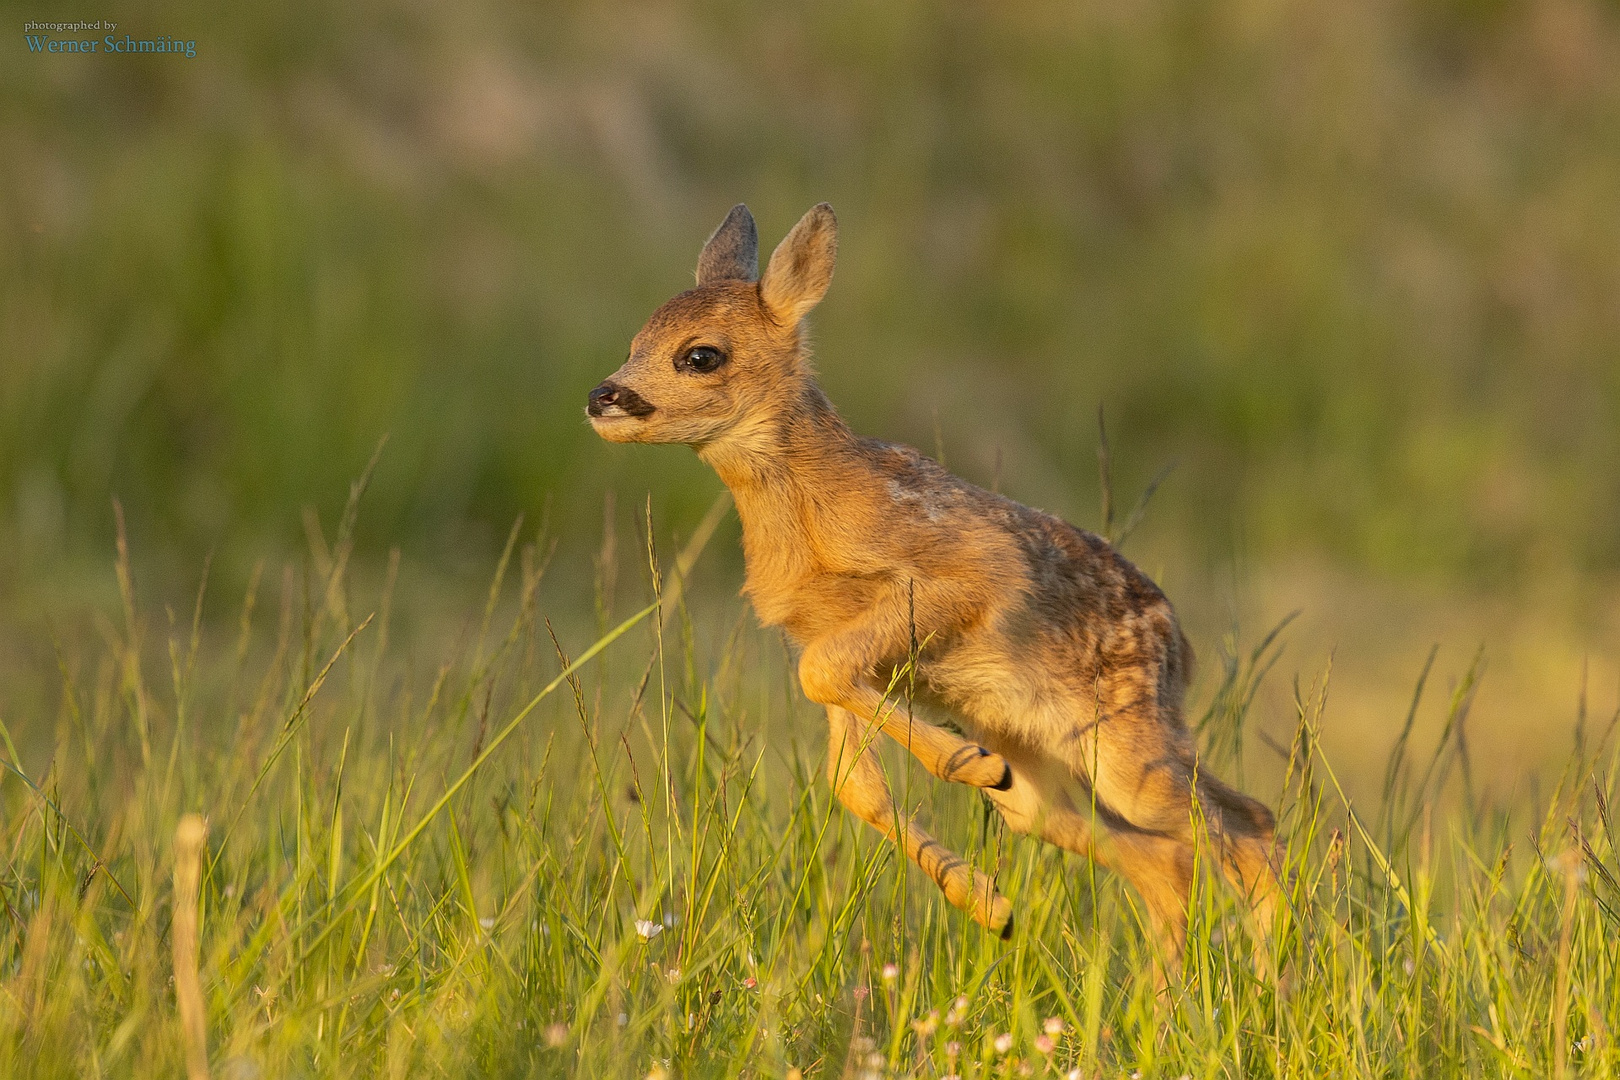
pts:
[1141, 762]
[1047, 801]
[857, 779]
[1160, 868]
[1242, 829]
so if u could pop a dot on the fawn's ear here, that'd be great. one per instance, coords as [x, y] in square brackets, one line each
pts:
[801, 267]
[732, 253]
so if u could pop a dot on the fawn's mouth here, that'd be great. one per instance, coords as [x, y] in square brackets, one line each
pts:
[613, 421]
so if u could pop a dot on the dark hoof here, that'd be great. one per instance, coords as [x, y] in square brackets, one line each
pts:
[1006, 931]
[1006, 779]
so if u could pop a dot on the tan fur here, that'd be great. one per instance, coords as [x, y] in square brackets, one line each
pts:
[1060, 659]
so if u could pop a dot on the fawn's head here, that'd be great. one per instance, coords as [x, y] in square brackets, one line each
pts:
[720, 361]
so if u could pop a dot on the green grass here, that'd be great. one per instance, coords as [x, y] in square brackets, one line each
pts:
[436, 865]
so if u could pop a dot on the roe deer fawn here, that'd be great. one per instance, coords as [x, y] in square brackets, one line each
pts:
[1062, 661]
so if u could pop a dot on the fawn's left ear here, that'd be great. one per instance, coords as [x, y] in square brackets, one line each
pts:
[801, 267]
[732, 253]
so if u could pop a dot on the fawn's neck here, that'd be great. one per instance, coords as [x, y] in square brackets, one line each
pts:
[779, 472]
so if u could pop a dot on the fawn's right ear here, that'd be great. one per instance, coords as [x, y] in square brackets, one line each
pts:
[732, 253]
[801, 267]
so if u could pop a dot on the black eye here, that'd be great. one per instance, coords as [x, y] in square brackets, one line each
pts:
[701, 359]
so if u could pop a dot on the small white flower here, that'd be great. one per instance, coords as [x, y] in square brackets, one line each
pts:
[487, 923]
[1053, 1026]
[646, 929]
[673, 974]
[890, 972]
[1003, 1042]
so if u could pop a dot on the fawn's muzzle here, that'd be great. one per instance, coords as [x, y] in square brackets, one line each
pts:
[621, 399]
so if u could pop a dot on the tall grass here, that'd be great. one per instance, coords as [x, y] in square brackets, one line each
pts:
[559, 851]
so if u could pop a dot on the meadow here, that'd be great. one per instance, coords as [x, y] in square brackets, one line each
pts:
[605, 849]
[542, 799]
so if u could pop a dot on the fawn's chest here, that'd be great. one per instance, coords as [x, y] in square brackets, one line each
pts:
[792, 578]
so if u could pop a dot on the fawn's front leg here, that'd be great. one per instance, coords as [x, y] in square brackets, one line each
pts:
[857, 779]
[836, 670]
[832, 674]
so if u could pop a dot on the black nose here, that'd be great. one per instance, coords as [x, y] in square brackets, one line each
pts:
[601, 397]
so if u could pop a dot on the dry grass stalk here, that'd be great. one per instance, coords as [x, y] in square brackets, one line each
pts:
[189, 837]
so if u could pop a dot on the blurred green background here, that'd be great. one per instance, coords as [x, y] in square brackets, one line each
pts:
[1354, 268]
